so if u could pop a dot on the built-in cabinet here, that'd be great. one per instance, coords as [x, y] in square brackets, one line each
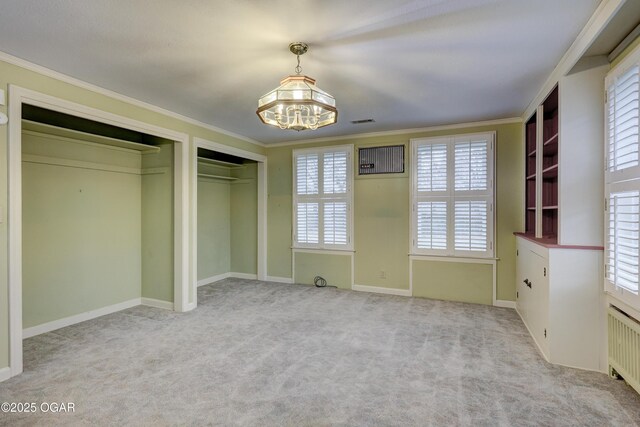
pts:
[559, 254]
[559, 301]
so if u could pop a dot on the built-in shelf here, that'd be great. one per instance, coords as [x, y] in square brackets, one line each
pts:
[550, 172]
[551, 140]
[219, 163]
[222, 177]
[545, 208]
[531, 177]
[531, 209]
[532, 154]
[85, 137]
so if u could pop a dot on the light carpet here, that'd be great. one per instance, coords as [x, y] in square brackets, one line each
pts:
[270, 354]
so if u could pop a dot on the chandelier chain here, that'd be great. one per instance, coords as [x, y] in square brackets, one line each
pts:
[298, 68]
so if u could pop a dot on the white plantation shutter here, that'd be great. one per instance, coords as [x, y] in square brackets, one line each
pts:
[622, 180]
[307, 222]
[335, 223]
[471, 165]
[622, 239]
[470, 219]
[335, 173]
[623, 120]
[322, 198]
[431, 166]
[453, 196]
[432, 225]
[307, 174]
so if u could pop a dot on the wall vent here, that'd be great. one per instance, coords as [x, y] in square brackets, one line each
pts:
[378, 160]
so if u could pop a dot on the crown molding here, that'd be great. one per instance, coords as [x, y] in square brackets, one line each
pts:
[398, 132]
[19, 62]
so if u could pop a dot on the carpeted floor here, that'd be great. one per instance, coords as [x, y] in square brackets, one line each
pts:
[270, 354]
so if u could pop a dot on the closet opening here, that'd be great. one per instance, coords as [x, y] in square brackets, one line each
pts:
[97, 216]
[97, 220]
[230, 213]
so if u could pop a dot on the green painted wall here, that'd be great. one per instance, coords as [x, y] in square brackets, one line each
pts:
[157, 224]
[244, 220]
[81, 229]
[214, 217]
[12, 74]
[335, 269]
[381, 212]
[381, 226]
[453, 281]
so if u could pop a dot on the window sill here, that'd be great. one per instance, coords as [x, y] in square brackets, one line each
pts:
[451, 258]
[322, 250]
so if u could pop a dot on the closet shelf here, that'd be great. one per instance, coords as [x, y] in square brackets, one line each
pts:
[220, 163]
[87, 138]
[224, 178]
[547, 208]
[533, 176]
[532, 154]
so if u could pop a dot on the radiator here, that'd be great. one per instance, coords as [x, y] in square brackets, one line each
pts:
[624, 347]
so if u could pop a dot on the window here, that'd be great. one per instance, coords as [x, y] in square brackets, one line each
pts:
[622, 180]
[452, 200]
[322, 198]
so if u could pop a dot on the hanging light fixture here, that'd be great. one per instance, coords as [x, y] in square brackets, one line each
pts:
[298, 103]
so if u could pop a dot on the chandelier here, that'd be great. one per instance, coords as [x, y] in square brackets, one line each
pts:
[298, 104]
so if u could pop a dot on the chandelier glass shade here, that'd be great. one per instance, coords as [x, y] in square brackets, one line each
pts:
[298, 104]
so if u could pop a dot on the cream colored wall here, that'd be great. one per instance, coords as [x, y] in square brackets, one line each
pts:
[381, 215]
[453, 281]
[17, 75]
[81, 228]
[244, 220]
[214, 219]
[335, 269]
[157, 224]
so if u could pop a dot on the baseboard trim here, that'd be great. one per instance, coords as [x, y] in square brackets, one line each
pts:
[157, 303]
[279, 279]
[380, 290]
[247, 276]
[505, 304]
[5, 374]
[77, 318]
[212, 279]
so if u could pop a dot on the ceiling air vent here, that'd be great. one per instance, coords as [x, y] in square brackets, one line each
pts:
[361, 121]
[377, 160]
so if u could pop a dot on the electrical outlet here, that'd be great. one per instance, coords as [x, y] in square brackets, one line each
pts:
[383, 274]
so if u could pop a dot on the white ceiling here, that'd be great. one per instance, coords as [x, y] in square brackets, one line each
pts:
[404, 63]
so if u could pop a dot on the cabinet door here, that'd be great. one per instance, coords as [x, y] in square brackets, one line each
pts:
[524, 296]
[521, 275]
[539, 301]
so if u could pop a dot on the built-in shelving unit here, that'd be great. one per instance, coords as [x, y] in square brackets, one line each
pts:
[550, 166]
[559, 254]
[541, 171]
[530, 173]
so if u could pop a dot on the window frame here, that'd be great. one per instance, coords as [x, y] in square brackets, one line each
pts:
[451, 196]
[627, 179]
[320, 198]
